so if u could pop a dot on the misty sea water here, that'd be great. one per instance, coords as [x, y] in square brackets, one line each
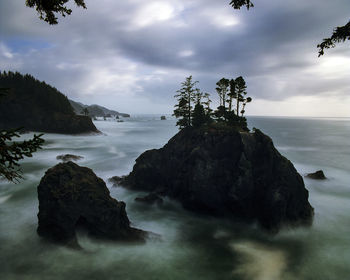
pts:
[191, 246]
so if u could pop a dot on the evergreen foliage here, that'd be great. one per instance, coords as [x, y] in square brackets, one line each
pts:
[237, 4]
[85, 112]
[228, 90]
[340, 34]
[185, 96]
[199, 116]
[37, 106]
[11, 152]
[47, 9]
[29, 97]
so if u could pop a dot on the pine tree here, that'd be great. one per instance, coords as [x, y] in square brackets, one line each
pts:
[222, 90]
[241, 91]
[199, 117]
[232, 94]
[186, 97]
[241, 95]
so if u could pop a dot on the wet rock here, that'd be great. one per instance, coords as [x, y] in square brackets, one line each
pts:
[318, 175]
[151, 198]
[71, 196]
[69, 157]
[225, 172]
[163, 118]
[116, 180]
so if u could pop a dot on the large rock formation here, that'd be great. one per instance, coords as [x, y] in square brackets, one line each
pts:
[222, 171]
[71, 196]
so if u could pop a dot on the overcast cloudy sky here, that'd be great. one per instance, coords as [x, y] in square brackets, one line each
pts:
[132, 55]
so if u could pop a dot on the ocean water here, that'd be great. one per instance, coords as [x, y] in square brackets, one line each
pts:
[191, 246]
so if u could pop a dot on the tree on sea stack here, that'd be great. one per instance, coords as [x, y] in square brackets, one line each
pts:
[241, 88]
[185, 96]
[222, 90]
[228, 90]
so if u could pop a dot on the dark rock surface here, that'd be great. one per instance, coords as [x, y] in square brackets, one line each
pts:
[72, 196]
[318, 175]
[116, 180]
[69, 157]
[151, 198]
[221, 171]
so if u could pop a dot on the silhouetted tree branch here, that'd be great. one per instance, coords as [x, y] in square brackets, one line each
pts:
[237, 4]
[48, 8]
[340, 34]
[11, 152]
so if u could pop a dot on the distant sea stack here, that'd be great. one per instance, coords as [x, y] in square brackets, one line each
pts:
[37, 106]
[318, 175]
[71, 197]
[225, 172]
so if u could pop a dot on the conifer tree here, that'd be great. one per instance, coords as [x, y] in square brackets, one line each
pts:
[232, 94]
[186, 97]
[206, 105]
[222, 90]
[198, 117]
[241, 91]
[85, 112]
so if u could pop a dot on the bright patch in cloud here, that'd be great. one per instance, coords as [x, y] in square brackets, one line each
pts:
[5, 51]
[186, 53]
[154, 12]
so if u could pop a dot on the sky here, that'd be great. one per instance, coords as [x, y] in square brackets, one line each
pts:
[132, 55]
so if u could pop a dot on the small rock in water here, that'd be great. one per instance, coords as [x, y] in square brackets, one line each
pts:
[150, 199]
[318, 175]
[116, 180]
[69, 157]
[163, 118]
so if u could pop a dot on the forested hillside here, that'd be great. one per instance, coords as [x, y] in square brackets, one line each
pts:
[37, 106]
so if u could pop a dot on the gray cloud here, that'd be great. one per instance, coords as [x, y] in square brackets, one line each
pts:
[133, 51]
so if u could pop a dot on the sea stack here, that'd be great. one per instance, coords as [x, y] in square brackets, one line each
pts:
[72, 196]
[225, 172]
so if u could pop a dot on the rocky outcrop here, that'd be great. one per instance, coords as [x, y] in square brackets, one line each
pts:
[151, 198]
[69, 157]
[116, 180]
[221, 171]
[71, 197]
[318, 175]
